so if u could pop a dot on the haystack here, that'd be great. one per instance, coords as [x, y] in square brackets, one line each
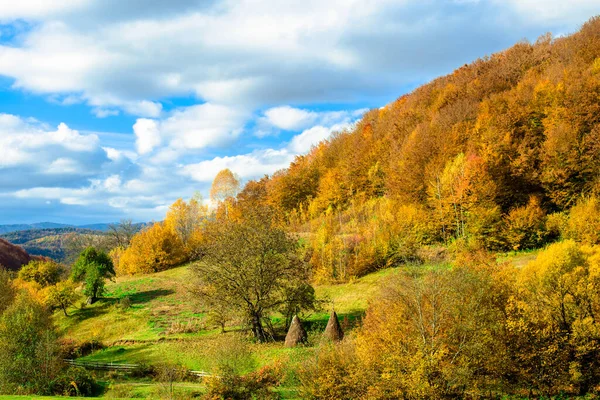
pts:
[296, 334]
[334, 331]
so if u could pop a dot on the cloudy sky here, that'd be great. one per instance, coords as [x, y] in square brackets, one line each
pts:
[113, 109]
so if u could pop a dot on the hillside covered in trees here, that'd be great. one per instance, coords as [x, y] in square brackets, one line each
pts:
[490, 156]
[455, 231]
[12, 257]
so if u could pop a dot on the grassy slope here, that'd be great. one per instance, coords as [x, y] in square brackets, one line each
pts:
[162, 299]
[142, 333]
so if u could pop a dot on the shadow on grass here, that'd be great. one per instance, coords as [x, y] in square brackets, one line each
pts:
[104, 305]
[149, 295]
[140, 297]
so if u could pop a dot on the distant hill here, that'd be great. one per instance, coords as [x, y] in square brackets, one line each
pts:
[103, 227]
[12, 257]
[58, 242]
[48, 242]
[96, 227]
[24, 227]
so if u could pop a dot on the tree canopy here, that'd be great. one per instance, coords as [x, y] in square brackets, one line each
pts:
[249, 266]
[92, 268]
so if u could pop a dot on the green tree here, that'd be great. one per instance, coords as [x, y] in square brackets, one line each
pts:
[43, 272]
[249, 265]
[61, 296]
[7, 290]
[93, 267]
[29, 354]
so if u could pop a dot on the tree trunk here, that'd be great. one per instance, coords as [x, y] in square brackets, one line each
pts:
[257, 329]
[65, 311]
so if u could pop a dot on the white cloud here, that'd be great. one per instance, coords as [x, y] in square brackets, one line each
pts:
[190, 128]
[289, 118]
[147, 135]
[63, 166]
[129, 55]
[303, 142]
[105, 112]
[144, 108]
[203, 125]
[247, 166]
[264, 162]
[30, 143]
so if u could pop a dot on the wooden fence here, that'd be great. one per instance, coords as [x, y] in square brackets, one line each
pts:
[120, 367]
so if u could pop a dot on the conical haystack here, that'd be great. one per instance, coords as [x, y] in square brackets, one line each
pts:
[296, 334]
[334, 330]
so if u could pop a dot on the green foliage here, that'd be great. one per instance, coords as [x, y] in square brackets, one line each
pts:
[231, 357]
[61, 296]
[43, 272]
[29, 354]
[7, 290]
[75, 381]
[247, 267]
[93, 267]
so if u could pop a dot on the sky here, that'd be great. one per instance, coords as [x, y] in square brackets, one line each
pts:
[113, 109]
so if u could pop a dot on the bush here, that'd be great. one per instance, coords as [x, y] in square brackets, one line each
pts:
[583, 222]
[332, 374]
[125, 303]
[72, 349]
[235, 387]
[43, 272]
[525, 227]
[75, 381]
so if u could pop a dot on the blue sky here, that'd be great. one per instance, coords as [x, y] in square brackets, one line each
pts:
[113, 109]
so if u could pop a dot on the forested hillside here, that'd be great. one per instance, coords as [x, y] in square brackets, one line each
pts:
[50, 242]
[12, 257]
[482, 156]
[447, 246]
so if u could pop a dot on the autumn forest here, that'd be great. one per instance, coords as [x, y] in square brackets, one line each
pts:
[473, 202]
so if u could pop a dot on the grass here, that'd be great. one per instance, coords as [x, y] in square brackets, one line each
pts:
[157, 301]
[141, 333]
[160, 300]
[518, 258]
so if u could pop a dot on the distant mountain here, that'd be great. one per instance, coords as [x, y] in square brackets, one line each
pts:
[12, 257]
[96, 227]
[25, 227]
[103, 227]
[49, 242]
[58, 242]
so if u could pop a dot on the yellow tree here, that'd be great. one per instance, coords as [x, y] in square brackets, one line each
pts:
[186, 220]
[154, 249]
[225, 187]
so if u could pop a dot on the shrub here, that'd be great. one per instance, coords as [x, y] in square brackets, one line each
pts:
[43, 272]
[75, 381]
[235, 387]
[125, 303]
[525, 227]
[583, 222]
[153, 249]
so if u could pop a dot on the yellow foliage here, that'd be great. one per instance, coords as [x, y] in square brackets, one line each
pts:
[154, 249]
[525, 226]
[583, 223]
